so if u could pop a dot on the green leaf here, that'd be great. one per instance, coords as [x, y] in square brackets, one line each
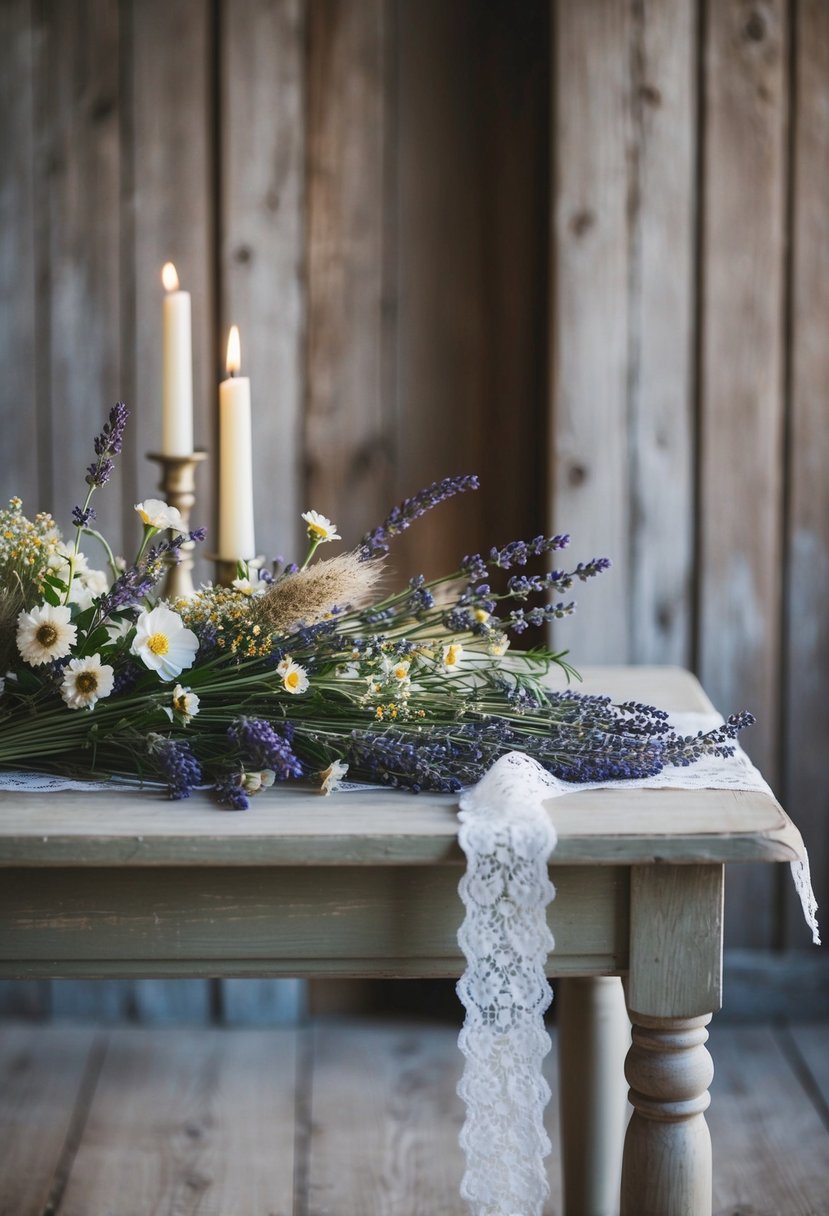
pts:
[50, 595]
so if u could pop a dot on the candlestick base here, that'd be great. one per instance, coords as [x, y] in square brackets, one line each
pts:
[178, 485]
[226, 569]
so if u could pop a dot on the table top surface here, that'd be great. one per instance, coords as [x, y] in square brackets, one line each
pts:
[293, 826]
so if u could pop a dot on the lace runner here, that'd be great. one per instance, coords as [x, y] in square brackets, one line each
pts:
[507, 836]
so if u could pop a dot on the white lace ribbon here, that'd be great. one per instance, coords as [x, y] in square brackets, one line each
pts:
[508, 836]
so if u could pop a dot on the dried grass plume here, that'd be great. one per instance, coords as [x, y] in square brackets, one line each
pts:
[307, 597]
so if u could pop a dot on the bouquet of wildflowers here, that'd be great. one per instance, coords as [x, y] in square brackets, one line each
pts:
[304, 672]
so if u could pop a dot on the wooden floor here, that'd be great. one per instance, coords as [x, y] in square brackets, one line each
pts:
[341, 1119]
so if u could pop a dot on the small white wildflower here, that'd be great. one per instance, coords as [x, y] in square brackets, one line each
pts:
[396, 669]
[157, 514]
[185, 704]
[451, 656]
[267, 777]
[499, 645]
[45, 633]
[246, 587]
[162, 642]
[294, 676]
[86, 681]
[332, 777]
[319, 528]
[87, 587]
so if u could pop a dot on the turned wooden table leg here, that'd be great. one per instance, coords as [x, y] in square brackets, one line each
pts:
[667, 1158]
[674, 986]
[593, 1037]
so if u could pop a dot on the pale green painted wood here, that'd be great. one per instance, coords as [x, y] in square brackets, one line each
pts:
[302, 921]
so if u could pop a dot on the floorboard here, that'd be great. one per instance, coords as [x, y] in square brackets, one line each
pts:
[771, 1147]
[346, 1118]
[42, 1070]
[189, 1122]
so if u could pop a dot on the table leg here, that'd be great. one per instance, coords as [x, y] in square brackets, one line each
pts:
[593, 1037]
[674, 986]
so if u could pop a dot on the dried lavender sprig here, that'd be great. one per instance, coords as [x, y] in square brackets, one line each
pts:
[107, 445]
[177, 764]
[263, 746]
[376, 544]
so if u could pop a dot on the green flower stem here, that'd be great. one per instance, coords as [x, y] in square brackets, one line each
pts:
[316, 541]
[73, 557]
[110, 556]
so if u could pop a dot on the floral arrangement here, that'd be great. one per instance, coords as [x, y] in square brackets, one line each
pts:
[298, 672]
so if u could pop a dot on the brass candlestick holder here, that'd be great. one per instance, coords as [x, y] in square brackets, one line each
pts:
[178, 485]
[225, 570]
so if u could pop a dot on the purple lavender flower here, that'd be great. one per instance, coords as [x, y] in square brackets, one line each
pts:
[262, 746]
[107, 445]
[231, 793]
[82, 516]
[178, 765]
[376, 544]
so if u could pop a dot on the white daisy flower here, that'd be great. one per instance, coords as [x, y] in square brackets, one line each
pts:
[451, 656]
[332, 777]
[319, 528]
[396, 669]
[162, 642]
[157, 514]
[294, 676]
[248, 588]
[45, 633]
[185, 704]
[86, 681]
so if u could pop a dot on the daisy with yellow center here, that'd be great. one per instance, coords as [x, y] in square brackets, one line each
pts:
[162, 642]
[45, 633]
[294, 676]
[185, 705]
[498, 646]
[320, 529]
[86, 681]
[452, 656]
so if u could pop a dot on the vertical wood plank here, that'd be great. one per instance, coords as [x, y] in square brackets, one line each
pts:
[349, 422]
[263, 1002]
[589, 334]
[741, 383]
[24, 998]
[168, 217]
[18, 401]
[79, 166]
[263, 140]
[102, 1001]
[473, 120]
[661, 285]
[807, 584]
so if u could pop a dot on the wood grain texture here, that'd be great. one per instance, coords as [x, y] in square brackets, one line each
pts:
[676, 941]
[18, 334]
[741, 387]
[263, 284]
[589, 337]
[263, 1002]
[661, 217]
[770, 1146]
[203, 922]
[79, 174]
[189, 1123]
[168, 216]
[349, 423]
[807, 634]
[41, 1075]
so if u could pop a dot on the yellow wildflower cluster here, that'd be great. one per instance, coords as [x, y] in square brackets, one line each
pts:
[25, 544]
[395, 710]
[224, 614]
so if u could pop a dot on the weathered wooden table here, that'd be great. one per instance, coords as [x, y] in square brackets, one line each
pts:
[128, 884]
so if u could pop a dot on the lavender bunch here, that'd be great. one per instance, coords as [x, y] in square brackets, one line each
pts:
[376, 543]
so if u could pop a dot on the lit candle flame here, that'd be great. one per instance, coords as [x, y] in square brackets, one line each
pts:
[169, 277]
[234, 351]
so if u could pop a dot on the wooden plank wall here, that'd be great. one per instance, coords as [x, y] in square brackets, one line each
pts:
[581, 249]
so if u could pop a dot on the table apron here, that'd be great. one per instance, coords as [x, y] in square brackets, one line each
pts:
[257, 921]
